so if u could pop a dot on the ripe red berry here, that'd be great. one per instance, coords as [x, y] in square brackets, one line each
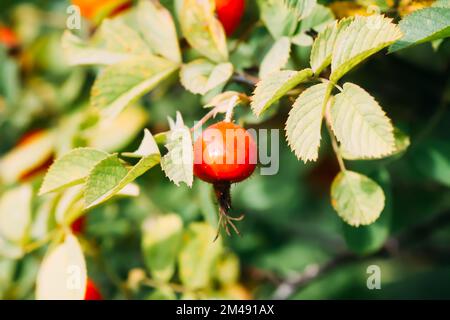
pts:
[230, 13]
[225, 152]
[8, 38]
[92, 293]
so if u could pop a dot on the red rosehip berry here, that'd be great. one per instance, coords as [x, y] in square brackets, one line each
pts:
[92, 292]
[225, 153]
[230, 13]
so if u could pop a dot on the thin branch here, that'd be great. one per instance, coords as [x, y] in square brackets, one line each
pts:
[246, 78]
[286, 287]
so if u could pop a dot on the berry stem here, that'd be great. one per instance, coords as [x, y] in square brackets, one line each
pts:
[223, 196]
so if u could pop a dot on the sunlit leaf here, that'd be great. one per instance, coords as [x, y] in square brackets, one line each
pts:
[179, 160]
[276, 58]
[147, 147]
[303, 126]
[110, 176]
[71, 169]
[360, 125]
[302, 8]
[423, 25]
[78, 52]
[357, 199]
[201, 76]
[158, 28]
[62, 274]
[368, 239]
[322, 48]
[202, 29]
[274, 86]
[120, 84]
[363, 37]
[278, 18]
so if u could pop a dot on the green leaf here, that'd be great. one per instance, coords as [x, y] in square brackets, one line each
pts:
[276, 58]
[423, 25]
[62, 274]
[147, 147]
[302, 40]
[110, 176]
[322, 48]
[302, 8]
[77, 52]
[71, 169]
[120, 84]
[24, 158]
[201, 76]
[357, 199]
[319, 18]
[363, 37]
[368, 239]
[161, 242]
[303, 126]
[116, 36]
[69, 199]
[114, 135]
[202, 30]
[158, 28]
[360, 125]
[401, 143]
[279, 20]
[274, 86]
[198, 255]
[179, 160]
[114, 42]
[15, 213]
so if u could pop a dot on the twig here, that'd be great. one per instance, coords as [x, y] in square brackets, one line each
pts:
[246, 78]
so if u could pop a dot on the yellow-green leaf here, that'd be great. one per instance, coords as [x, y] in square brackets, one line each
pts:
[363, 37]
[62, 274]
[201, 76]
[158, 28]
[274, 86]
[179, 160]
[360, 125]
[110, 176]
[276, 58]
[120, 84]
[303, 126]
[71, 169]
[357, 199]
[322, 48]
[202, 29]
